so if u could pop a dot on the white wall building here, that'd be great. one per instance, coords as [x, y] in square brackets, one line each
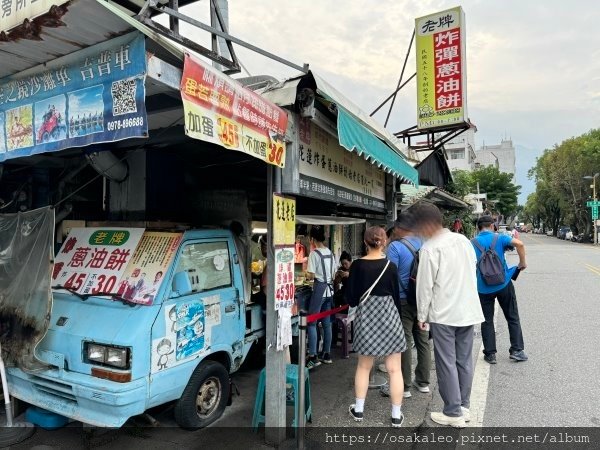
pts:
[461, 151]
[500, 155]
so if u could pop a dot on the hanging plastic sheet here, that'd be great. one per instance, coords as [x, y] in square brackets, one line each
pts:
[26, 241]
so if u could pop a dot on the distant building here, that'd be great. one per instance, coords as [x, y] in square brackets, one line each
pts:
[461, 151]
[502, 156]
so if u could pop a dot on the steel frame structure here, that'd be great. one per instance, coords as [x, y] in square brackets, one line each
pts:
[217, 28]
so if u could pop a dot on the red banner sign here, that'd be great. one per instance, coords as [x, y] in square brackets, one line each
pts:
[220, 110]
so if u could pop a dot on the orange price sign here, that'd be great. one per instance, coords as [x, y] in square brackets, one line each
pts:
[228, 132]
[276, 152]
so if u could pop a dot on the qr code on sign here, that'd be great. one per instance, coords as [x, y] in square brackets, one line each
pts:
[123, 94]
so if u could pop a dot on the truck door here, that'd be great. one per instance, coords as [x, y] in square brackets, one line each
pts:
[205, 320]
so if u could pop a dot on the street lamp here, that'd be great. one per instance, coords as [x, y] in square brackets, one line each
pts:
[593, 186]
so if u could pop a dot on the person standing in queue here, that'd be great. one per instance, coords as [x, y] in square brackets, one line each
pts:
[373, 288]
[403, 252]
[447, 299]
[320, 269]
[487, 241]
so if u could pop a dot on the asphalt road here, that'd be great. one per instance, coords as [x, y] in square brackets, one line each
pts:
[559, 304]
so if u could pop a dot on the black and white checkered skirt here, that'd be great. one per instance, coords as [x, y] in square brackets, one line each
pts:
[378, 328]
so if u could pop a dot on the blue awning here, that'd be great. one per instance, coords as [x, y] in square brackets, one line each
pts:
[353, 136]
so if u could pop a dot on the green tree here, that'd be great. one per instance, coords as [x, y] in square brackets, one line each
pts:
[497, 185]
[561, 191]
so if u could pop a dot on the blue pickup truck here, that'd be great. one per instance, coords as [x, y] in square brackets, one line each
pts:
[141, 318]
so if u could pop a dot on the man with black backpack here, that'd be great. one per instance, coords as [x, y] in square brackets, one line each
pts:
[494, 281]
[404, 252]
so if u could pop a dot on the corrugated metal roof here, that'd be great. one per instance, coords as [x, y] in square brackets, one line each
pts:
[84, 23]
[412, 194]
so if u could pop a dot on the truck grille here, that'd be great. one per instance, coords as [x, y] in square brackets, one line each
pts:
[54, 388]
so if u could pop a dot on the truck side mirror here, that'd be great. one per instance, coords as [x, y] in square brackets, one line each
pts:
[181, 284]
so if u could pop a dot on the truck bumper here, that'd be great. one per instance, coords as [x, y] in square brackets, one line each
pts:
[80, 397]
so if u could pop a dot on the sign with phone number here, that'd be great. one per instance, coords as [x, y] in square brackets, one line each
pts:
[220, 110]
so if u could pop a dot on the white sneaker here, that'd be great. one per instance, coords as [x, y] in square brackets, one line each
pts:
[422, 389]
[466, 414]
[443, 419]
[382, 368]
[407, 394]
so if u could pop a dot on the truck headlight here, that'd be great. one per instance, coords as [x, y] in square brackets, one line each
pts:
[106, 355]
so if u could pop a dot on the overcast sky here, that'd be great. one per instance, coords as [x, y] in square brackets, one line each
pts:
[533, 66]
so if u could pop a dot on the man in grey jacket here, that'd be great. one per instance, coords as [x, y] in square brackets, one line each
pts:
[448, 301]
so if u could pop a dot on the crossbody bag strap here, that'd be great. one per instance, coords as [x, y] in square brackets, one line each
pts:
[368, 292]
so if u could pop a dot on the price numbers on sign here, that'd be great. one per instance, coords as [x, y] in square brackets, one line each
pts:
[228, 132]
[101, 284]
[285, 292]
[276, 152]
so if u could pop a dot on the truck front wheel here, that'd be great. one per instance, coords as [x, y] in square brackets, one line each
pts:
[205, 397]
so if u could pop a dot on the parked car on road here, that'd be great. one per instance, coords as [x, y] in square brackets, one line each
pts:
[562, 232]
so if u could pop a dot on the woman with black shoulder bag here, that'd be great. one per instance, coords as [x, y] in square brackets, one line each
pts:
[373, 289]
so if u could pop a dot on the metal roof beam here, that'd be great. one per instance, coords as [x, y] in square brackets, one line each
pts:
[172, 13]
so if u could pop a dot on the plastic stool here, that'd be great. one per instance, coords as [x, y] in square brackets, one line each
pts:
[291, 377]
[345, 325]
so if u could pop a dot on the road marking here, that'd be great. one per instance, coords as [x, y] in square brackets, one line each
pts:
[593, 269]
[479, 389]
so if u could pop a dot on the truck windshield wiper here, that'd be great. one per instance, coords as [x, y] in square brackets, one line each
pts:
[70, 290]
[112, 295]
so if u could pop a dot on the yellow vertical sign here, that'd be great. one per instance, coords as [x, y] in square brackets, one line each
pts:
[284, 220]
[441, 69]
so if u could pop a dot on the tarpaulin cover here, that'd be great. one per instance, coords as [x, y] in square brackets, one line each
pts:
[26, 241]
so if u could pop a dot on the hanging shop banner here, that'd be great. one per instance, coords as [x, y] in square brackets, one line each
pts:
[91, 96]
[146, 270]
[220, 110]
[441, 69]
[330, 172]
[15, 12]
[93, 260]
[284, 220]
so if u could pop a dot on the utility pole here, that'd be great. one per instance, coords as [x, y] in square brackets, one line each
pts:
[594, 205]
[275, 400]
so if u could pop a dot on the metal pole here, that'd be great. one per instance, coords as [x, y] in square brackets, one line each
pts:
[301, 387]
[392, 94]
[595, 220]
[174, 21]
[412, 38]
[275, 399]
[376, 381]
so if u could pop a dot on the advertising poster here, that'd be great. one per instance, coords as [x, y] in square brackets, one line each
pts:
[330, 172]
[188, 329]
[93, 260]
[284, 277]
[91, 96]
[218, 109]
[146, 270]
[441, 69]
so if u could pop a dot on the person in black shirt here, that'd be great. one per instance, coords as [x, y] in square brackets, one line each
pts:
[378, 327]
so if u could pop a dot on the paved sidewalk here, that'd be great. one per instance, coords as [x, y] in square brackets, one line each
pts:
[332, 393]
